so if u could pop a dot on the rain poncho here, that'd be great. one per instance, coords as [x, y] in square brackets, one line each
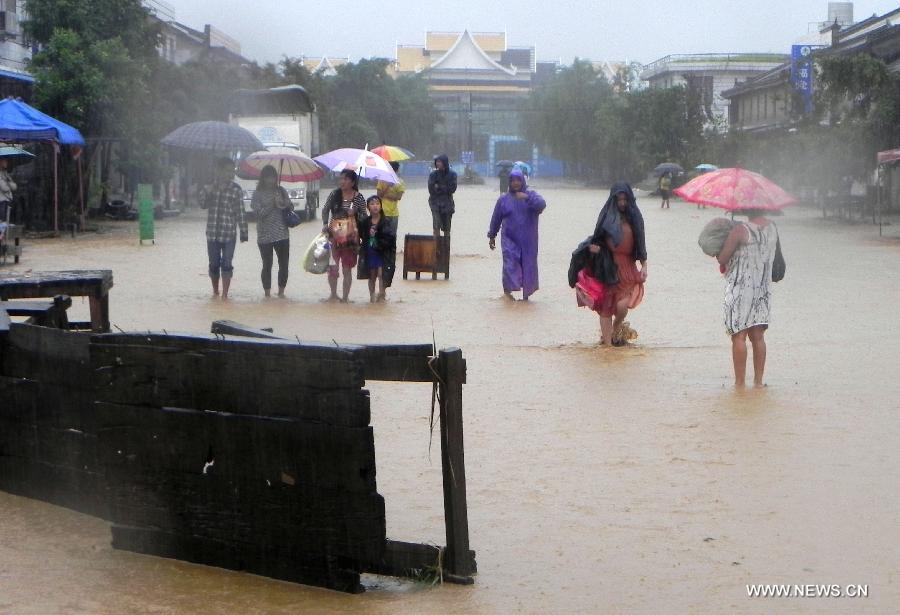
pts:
[441, 186]
[518, 219]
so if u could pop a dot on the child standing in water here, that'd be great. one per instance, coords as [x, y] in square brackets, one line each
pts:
[378, 241]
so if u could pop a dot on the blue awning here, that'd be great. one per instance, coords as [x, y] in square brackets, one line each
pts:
[20, 122]
[14, 75]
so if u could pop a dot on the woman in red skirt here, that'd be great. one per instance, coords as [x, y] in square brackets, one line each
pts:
[620, 233]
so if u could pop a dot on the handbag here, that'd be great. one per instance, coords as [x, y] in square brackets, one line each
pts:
[290, 217]
[589, 291]
[778, 265]
[343, 232]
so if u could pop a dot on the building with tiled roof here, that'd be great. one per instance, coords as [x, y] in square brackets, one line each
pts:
[327, 66]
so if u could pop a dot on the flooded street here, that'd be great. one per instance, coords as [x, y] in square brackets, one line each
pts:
[600, 479]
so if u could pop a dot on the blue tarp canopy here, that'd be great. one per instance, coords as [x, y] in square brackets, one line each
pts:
[20, 122]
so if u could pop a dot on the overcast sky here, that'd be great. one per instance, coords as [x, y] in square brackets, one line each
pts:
[638, 30]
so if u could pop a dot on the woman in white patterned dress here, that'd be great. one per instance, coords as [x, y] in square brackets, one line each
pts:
[747, 258]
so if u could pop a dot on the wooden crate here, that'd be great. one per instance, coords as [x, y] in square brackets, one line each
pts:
[419, 256]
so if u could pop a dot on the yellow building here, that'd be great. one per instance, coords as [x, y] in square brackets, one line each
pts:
[478, 83]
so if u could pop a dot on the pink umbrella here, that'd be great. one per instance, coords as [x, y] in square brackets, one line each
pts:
[733, 189]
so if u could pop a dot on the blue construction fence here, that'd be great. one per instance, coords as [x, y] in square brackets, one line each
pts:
[499, 147]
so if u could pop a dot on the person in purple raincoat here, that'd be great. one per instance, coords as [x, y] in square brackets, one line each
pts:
[516, 214]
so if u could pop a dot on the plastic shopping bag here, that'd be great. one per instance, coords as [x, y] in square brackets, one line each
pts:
[318, 255]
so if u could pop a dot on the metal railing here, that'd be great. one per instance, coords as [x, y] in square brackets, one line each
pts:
[715, 58]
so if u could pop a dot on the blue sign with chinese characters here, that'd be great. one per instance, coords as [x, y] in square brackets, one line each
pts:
[802, 73]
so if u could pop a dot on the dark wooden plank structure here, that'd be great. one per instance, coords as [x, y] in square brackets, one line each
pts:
[45, 313]
[11, 243]
[236, 448]
[244, 451]
[447, 371]
[94, 285]
[420, 256]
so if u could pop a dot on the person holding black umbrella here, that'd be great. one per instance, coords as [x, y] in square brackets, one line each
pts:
[224, 204]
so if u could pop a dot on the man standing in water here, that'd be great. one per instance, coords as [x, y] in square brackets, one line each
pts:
[516, 212]
[441, 186]
[225, 213]
[665, 190]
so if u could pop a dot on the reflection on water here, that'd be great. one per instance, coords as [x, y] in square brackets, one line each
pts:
[600, 479]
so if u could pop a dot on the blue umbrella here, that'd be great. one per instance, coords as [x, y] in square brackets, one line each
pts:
[706, 167]
[522, 166]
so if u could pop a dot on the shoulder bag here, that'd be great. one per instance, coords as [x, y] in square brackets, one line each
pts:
[778, 265]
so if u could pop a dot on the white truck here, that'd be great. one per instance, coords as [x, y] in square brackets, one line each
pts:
[281, 117]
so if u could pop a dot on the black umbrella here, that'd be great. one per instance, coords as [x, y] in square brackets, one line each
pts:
[668, 167]
[213, 137]
[506, 163]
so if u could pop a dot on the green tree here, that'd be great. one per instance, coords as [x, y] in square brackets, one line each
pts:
[363, 104]
[559, 116]
[609, 132]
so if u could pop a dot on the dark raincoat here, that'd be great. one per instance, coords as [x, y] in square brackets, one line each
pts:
[609, 223]
[441, 186]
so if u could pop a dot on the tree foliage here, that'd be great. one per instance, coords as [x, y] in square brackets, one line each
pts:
[363, 104]
[98, 69]
[611, 132]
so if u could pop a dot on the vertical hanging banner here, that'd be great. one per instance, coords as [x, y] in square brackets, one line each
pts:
[145, 212]
[802, 73]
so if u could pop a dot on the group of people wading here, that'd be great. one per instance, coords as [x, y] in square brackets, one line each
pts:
[613, 259]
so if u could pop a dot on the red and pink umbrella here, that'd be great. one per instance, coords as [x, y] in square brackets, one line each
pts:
[733, 189]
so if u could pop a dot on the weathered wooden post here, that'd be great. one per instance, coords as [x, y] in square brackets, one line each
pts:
[452, 369]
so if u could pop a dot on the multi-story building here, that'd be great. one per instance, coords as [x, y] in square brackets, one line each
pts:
[180, 44]
[765, 102]
[710, 74]
[478, 83]
[15, 52]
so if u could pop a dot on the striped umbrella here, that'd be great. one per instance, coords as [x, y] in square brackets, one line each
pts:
[213, 137]
[292, 165]
[392, 153]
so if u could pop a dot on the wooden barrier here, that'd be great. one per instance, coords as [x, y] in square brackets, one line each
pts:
[416, 363]
[248, 453]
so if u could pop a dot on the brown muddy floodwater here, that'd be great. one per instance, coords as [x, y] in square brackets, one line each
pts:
[600, 480]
